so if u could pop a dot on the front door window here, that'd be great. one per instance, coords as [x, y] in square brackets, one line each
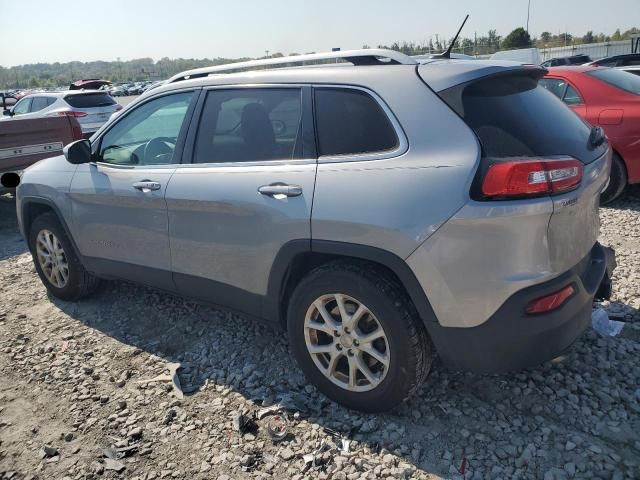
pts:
[148, 135]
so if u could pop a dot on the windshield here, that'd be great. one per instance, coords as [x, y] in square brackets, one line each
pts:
[618, 78]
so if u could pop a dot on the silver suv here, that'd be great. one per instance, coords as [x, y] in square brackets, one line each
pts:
[379, 208]
[92, 108]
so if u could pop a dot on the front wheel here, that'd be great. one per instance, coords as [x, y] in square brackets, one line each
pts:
[357, 337]
[617, 181]
[56, 262]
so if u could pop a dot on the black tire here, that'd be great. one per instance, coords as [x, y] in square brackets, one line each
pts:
[617, 181]
[411, 352]
[80, 283]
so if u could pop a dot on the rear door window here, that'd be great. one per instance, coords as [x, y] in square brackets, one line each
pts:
[351, 122]
[250, 125]
[90, 100]
[38, 103]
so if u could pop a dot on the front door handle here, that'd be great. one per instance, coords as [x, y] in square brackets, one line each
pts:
[281, 189]
[146, 186]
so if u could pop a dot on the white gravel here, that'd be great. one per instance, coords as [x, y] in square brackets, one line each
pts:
[72, 379]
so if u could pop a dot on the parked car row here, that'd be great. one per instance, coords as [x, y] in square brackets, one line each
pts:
[127, 89]
[625, 60]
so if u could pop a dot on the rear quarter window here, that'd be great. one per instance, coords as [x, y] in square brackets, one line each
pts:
[351, 122]
[90, 100]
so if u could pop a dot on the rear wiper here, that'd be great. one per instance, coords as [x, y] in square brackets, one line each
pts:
[596, 137]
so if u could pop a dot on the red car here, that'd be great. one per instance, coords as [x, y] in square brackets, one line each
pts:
[608, 98]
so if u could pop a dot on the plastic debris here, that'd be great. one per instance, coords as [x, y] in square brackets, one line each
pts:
[48, 452]
[315, 459]
[263, 412]
[244, 424]
[346, 445]
[118, 453]
[171, 377]
[604, 325]
[331, 432]
[277, 428]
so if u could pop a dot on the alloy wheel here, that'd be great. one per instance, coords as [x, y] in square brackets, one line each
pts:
[52, 259]
[347, 342]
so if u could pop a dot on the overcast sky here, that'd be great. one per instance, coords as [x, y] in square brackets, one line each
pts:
[54, 31]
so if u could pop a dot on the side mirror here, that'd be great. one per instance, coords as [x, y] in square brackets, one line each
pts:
[78, 152]
[7, 113]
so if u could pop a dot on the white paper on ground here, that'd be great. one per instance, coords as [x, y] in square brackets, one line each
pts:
[604, 325]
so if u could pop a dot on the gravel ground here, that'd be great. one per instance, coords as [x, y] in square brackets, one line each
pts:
[74, 403]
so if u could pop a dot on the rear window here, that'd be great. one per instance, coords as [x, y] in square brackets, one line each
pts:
[90, 100]
[351, 122]
[515, 117]
[618, 78]
[38, 103]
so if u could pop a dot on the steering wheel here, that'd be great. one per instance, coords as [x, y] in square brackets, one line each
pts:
[157, 148]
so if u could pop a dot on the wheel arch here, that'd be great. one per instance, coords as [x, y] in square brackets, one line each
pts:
[33, 207]
[616, 153]
[299, 257]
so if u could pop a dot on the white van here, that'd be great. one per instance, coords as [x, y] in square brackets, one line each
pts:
[530, 56]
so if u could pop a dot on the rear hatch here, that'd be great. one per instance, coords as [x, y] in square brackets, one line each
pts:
[94, 108]
[525, 130]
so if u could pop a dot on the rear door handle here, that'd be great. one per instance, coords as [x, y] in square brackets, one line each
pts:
[146, 186]
[281, 189]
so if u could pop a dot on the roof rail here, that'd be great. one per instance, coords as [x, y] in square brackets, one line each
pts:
[356, 57]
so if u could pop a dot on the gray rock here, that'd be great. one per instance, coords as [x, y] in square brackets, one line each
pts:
[114, 465]
[287, 454]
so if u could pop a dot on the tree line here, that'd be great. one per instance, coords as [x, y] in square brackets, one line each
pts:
[492, 42]
[48, 75]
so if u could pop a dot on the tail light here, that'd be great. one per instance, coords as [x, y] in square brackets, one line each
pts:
[551, 302]
[118, 107]
[531, 177]
[69, 113]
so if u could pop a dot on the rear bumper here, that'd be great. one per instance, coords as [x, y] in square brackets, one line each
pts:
[512, 339]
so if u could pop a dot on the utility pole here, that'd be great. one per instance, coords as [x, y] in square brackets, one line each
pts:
[528, 13]
[475, 43]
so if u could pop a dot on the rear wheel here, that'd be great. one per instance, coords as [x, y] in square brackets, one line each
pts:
[56, 262]
[617, 181]
[357, 337]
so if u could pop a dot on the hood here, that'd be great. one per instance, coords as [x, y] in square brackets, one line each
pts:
[52, 164]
